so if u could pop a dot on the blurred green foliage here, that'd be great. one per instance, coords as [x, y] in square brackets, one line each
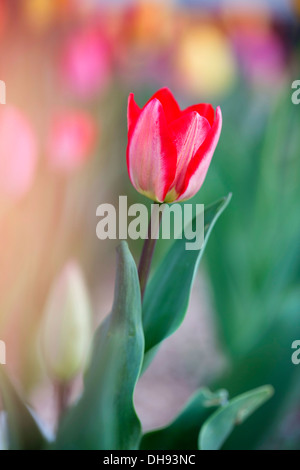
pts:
[253, 258]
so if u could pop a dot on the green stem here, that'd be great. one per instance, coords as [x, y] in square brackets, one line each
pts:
[147, 253]
[62, 398]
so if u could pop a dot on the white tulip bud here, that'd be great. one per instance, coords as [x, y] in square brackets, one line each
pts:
[66, 332]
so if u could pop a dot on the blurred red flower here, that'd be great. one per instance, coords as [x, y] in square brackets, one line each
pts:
[71, 139]
[18, 152]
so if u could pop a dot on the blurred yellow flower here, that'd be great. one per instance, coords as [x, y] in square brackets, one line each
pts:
[296, 4]
[206, 61]
[41, 13]
[66, 331]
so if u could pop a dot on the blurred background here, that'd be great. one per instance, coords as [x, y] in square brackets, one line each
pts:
[69, 66]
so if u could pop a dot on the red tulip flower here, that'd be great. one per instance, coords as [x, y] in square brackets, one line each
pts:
[169, 151]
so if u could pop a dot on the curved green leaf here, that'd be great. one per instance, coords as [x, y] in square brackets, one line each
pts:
[167, 294]
[23, 430]
[219, 426]
[104, 418]
[182, 433]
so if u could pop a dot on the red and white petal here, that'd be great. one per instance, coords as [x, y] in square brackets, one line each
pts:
[199, 165]
[189, 132]
[151, 153]
[133, 111]
[170, 105]
[204, 109]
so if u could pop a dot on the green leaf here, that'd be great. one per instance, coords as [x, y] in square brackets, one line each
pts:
[269, 361]
[219, 426]
[23, 431]
[104, 418]
[167, 295]
[182, 433]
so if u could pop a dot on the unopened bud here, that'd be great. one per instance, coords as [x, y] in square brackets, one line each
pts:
[66, 327]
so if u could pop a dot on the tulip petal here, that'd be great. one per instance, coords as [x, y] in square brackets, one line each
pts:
[170, 105]
[189, 132]
[204, 109]
[133, 111]
[199, 165]
[151, 153]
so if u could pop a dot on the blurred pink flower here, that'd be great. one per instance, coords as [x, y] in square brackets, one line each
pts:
[261, 54]
[18, 152]
[85, 64]
[71, 139]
